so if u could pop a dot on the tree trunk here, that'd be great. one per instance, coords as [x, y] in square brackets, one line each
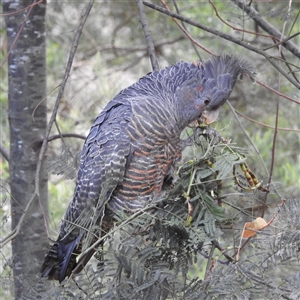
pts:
[28, 120]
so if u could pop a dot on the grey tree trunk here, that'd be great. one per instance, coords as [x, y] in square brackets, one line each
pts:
[28, 120]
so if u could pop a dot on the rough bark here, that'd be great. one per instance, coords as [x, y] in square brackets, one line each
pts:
[27, 119]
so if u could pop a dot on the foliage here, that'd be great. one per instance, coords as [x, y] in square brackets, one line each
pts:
[152, 254]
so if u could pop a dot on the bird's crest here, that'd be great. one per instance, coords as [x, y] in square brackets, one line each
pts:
[225, 63]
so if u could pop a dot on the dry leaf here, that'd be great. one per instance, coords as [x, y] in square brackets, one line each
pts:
[251, 228]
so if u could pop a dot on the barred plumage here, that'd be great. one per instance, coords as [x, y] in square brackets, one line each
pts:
[133, 147]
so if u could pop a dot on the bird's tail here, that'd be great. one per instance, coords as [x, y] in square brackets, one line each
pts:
[65, 259]
[60, 260]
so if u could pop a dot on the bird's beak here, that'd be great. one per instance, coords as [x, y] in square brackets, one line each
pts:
[210, 116]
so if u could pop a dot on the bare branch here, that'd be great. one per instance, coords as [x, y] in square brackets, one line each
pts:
[147, 33]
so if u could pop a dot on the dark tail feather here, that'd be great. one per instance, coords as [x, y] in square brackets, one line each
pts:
[60, 260]
[50, 266]
[67, 254]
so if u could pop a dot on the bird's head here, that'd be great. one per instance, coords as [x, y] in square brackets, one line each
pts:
[204, 94]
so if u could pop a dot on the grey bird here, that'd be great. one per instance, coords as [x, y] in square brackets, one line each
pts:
[133, 146]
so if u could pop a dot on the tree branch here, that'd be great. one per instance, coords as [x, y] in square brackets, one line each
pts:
[36, 144]
[4, 152]
[147, 33]
[266, 26]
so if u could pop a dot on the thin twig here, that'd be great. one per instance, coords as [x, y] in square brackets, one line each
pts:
[265, 125]
[281, 42]
[288, 65]
[248, 272]
[208, 268]
[115, 31]
[17, 229]
[29, 7]
[275, 129]
[66, 135]
[184, 26]
[186, 32]
[20, 10]
[36, 144]
[277, 92]
[45, 98]
[63, 140]
[238, 29]
[248, 137]
[99, 240]
[147, 33]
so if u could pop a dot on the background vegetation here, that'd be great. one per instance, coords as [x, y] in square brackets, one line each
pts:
[262, 120]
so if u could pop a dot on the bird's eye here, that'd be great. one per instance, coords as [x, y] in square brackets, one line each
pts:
[206, 102]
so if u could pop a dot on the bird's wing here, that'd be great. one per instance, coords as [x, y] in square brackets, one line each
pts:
[102, 168]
